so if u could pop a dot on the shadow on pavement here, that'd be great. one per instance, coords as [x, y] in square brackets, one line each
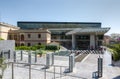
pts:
[118, 77]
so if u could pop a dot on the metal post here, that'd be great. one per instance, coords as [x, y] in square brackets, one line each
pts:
[71, 62]
[47, 60]
[60, 71]
[8, 54]
[100, 67]
[45, 74]
[52, 58]
[29, 57]
[30, 71]
[2, 53]
[21, 55]
[14, 56]
[12, 70]
[54, 72]
[35, 56]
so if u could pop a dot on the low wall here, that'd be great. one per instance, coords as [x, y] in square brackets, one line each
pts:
[6, 45]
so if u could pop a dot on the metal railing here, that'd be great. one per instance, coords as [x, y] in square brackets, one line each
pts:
[54, 72]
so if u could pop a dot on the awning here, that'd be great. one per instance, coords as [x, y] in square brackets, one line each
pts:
[88, 30]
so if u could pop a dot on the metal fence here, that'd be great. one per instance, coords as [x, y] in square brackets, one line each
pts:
[36, 71]
[28, 66]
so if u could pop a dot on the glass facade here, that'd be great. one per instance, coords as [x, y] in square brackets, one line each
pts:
[83, 37]
[35, 25]
[82, 41]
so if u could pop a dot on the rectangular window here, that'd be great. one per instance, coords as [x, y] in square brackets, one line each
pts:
[100, 37]
[39, 35]
[83, 37]
[29, 44]
[39, 43]
[29, 35]
[15, 37]
[10, 37]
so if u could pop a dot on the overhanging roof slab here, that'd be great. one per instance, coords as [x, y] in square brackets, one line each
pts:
[88, 30]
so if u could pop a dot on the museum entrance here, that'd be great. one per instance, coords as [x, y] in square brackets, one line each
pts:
[82, 42]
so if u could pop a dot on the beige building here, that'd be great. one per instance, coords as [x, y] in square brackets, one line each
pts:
[4, 29]
[24, 37]
[30, 37]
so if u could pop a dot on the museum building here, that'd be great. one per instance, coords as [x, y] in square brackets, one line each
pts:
[72, 35]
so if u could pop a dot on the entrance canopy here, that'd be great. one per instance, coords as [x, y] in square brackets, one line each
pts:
[88, 30]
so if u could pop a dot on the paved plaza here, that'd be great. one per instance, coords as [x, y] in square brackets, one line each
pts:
[83, 69]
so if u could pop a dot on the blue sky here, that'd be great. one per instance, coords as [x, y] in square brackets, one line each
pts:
[105, 11]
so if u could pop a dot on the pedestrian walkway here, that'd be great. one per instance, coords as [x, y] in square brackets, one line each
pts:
[89, 65]
[83, 69]
[109, 71]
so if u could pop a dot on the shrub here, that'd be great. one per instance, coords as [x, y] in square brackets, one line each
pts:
[115, 51]
[22, 48]
[39, 46]
[32, 48]
[52, 47]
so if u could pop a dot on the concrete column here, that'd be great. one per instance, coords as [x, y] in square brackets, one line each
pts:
[92, 41]
[96, 41]
[73, 41]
